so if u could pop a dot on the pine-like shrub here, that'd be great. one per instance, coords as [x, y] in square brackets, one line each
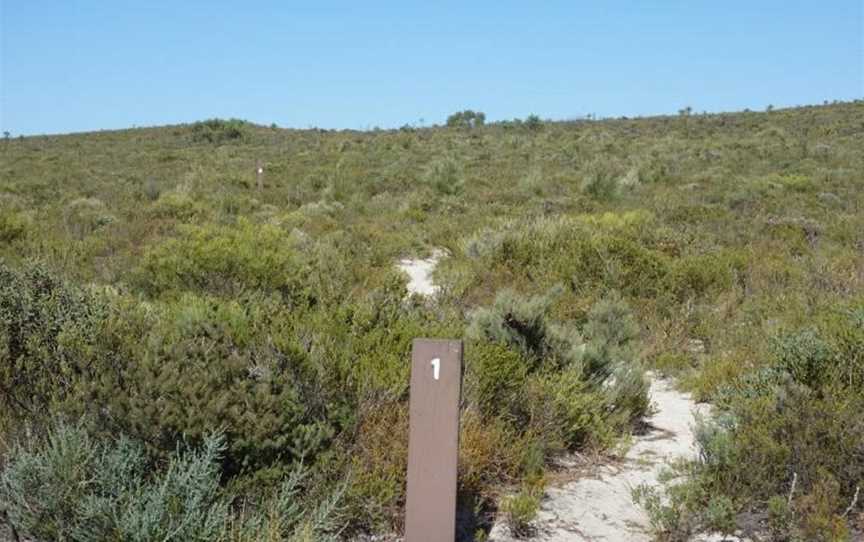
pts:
[223, 259]
[157, 373]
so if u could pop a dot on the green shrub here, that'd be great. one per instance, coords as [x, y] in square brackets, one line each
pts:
[13, 226]
[491, 450]
[782, 435]
[48, 329]
[84, 216]
[523, 324]
[379, 460]
[150, 189]
[627, 266]
[445, 176]
[466, 119]
[179, 205]
[484, 243]
[672, 363]
[612, 335]
[574, 412]
[600, 179]
[294, 513]
[521, 509]
[658, 169]
[495, 379]
[181, 369]
[583, 391]
[68, 485]
[665, 518]
[533, 123]
[586, 251]
[218, 131]
[224, 259]
[767, 441]
[780, 517]
[205, 365]
[696, 276]
[71, 487]
[533, 182]
[845, 331]
[807, 358]
[792, 182]
[720, 514]
[819, 511]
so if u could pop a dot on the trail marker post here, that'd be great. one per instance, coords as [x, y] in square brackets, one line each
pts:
[259, 175]
[433, 440]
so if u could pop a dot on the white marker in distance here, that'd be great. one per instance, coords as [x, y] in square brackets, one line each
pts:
[436, 367]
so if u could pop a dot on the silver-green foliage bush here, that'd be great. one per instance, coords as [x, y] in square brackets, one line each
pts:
[610, 354]
[586, 382]
[523, 324]
[69, 485]
[805, 356]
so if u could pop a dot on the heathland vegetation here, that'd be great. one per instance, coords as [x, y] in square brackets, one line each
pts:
[186, 355]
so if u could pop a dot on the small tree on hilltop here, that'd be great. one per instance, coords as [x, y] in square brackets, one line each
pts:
[533, 123]
[466, 119]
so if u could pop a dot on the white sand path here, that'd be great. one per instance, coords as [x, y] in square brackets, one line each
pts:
[419, 272]
[600, 507]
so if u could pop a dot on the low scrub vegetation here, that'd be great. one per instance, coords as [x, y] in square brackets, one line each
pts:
[222, 362]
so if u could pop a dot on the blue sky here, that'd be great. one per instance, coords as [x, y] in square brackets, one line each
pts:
[76, 65]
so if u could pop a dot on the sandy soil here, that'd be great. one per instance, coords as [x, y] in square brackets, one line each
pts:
[420, 273]
[599, 507]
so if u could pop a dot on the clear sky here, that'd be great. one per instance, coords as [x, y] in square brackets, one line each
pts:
[77, 65]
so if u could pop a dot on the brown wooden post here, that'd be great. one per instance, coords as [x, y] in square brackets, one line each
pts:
[433, 441]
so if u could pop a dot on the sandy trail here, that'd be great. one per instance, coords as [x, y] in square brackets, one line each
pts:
[600, 507]
[419, 272]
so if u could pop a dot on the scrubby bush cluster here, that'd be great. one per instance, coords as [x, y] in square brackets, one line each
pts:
[218, 130]
[587, 381]
[151, 297]
[466, 119]
[247, 365]
[784, 445]
[445, 176]
[67, 485]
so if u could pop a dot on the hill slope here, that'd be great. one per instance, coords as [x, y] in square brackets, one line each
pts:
[151, 289]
